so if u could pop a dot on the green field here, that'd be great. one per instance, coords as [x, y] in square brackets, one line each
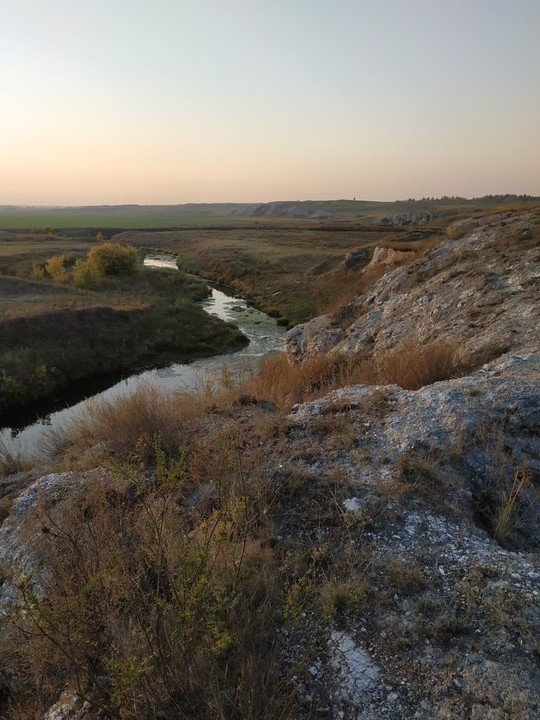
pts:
[241, 214]
[68, 219]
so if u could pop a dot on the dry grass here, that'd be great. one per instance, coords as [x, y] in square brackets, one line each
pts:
[157, 605]
[146, 417]
[502, 498]
[11, 462]
[503, 521]
[285, 383]
[118, 426]
[460, 228]
[404, 578]
[411, 365]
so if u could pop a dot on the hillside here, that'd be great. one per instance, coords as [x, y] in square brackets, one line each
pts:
[352, 533]
[399, 212]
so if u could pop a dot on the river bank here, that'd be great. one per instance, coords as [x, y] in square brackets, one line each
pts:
[55, 337]
[263, 337]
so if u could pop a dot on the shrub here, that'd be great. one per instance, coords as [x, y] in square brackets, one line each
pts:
[405, 578]
[339, 596]
[84, 275]
[146, 616]
[511, 500]
[502, 499]
[113, 259]
[56, 269]
[38, 271]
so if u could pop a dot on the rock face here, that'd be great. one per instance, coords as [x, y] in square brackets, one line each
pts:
[452, 425]
[407, 219]
[439, 464]
[29, 518]
[479, 290]
[389, 257]
[318, 336]
[70, 707]
[425, 473]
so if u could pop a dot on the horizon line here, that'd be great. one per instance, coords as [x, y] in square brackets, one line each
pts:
[266, 202]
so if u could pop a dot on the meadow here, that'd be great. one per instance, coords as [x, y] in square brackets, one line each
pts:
[54, 335]
[292, 273]
[241, 214]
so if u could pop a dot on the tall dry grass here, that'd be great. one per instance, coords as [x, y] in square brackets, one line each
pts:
[175, 418]
[155, 601]
[411, 365]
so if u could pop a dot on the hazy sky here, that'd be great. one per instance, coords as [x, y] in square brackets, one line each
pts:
[169, 101]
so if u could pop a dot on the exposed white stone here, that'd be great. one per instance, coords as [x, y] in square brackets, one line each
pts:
[357, 673]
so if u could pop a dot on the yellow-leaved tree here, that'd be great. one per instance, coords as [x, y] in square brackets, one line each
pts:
[114, 259]
[56, 268]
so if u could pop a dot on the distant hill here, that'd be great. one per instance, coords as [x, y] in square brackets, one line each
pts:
[398, 212]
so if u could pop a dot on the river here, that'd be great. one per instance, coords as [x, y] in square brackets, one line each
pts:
[265, 338]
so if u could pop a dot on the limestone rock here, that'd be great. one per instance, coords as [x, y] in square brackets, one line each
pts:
[20, 531]
[313, 338]
[70, 707]
[480, 291]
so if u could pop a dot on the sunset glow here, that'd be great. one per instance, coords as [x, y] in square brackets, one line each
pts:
[206, 101]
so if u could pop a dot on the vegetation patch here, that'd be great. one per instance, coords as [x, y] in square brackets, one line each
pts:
[120, 317]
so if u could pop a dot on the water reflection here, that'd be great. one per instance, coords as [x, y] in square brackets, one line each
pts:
[264, 335]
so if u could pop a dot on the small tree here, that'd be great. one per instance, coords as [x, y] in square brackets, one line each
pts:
[113, 259]
[38, 271]
[56, 269]
[84, 275]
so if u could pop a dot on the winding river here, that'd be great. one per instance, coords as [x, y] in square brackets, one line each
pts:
[265, 338]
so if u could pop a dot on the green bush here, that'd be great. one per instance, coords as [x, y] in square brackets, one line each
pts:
[84, 275]
[113, 259]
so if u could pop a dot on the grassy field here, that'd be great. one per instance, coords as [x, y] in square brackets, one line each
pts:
[291, 273]
[283, 262]
[55, 335]
[52, 335]
[241, 214]
[57, 219]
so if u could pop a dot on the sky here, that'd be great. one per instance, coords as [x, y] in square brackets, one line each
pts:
[173, 101]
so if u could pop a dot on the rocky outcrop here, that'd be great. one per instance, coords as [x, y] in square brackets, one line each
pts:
[357, 259]
[318, 336]
[33, 513]
[407, 219]
[389, 257]
[455, 425]
[432, 478]
[479, 290]
[453, 595]
[290, 209]
[70, 707]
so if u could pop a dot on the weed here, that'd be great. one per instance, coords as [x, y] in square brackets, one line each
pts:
[501, 499]
[503, 521]
[337, 596]
[146, 615]
[404, 578]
